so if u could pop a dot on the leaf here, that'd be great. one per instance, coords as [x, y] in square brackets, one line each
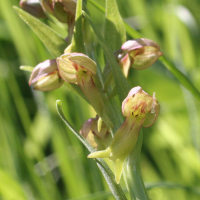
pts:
[54, 43]
[106, 171]
[121, 83]
[115, 33]
[77, 40]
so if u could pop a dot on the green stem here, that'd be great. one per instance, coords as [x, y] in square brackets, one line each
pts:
[132, 172]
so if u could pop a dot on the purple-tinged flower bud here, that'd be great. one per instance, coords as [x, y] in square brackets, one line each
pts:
[71, 63]
[99, 139]
[45, 76]
[142, 53]
[80, 69]
[33, 7]
[140, 109]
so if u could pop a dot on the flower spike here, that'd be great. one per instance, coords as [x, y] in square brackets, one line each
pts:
[140, 109]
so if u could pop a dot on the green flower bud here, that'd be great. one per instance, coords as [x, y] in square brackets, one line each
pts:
[45, 76]
[140, 109]
[33, 7]
[99, 139]
[142, 52]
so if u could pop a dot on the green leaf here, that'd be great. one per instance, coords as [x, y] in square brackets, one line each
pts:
[77, 40]
[115, 33]
[121, 83]
[54, 43]
[172, 185]
[106, 171]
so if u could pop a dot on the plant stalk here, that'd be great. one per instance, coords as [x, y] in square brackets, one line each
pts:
[132, 173]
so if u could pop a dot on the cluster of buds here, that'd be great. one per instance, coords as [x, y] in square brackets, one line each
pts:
[98, 137]
[140, 109]
[45, 76]
[139, 54]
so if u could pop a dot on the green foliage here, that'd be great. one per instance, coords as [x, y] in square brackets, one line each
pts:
[40, 158]
[52, 41]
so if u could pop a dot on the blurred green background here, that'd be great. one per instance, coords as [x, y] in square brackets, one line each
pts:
[41, 159]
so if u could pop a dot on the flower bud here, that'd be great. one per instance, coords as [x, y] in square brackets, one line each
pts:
[80, 69]
[33, 7]
[69, 5]
[71, 63]
[140, 109]
[99, 139]
[63, 10]
[47, 5]
[45, 76]
[142, 53]
[60, 12]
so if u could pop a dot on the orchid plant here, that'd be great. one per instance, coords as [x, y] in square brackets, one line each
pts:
[109, 134]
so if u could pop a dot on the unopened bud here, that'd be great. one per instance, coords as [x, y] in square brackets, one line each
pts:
[71, 63]
[99, 139]
[70, 6]
[47, 5]
[33, 7]
[142, 52]
[45, 76]
[79, 68]
[63, 10]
